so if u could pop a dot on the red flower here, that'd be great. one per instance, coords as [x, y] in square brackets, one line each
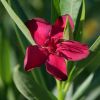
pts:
[51, 48]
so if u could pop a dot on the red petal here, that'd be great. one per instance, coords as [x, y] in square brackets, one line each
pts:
[60, 24]
[56, 66]
[73, 50]
[39, 29]
[61, 21]
[34, 57]
[57, 32]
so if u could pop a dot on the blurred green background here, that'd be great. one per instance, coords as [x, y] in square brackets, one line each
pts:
[11, 50]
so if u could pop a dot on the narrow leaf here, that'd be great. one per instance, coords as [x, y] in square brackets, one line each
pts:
[5, 57]
[6, 61]
[0, 52]
[92, 61]
[55, 10]
[83, 11]
[95, 44]
[28, 87]
[82, 87]
[78, 32]
[18, 9]
[94, 94]
[70, 7]
[93, 91]
[18, 21]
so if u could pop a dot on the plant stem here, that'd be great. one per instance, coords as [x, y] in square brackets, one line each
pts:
[69, 79]
[60, 92]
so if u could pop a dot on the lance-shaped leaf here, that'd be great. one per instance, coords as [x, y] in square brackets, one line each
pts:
[5, 57]
[29, 87]
[83, 87]
[78, 32]
[0, 52]
[18, 21]
[95, 45]
[92, 61]
[55, 10]
[70, 7]
[93, 91]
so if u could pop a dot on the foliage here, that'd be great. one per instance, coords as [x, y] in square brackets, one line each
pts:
[84, 77]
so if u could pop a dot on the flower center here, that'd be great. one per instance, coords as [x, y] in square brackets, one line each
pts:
[52, 49]
[51, 46]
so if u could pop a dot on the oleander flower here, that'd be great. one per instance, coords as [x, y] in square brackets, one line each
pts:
[51, 49]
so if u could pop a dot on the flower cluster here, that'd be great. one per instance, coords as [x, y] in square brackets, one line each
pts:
[51, 49]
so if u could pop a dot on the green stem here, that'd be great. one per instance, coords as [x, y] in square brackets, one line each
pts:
[60, 92]
[69, 79]
[63, 84]
[67, 86]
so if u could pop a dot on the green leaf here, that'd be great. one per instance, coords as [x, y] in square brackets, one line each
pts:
[2, 10]
[93, 94]
[93, 91]
[55, 10]
[5, 58]
[96, 44]
[1, 84]
[92, 61]
[0, 51]
[10, 94]
[83, 11]
[82, 87]
[29, 87]
[17, 8]
[6, 63]
[70, 7]
[18, 21]
[78, 32]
